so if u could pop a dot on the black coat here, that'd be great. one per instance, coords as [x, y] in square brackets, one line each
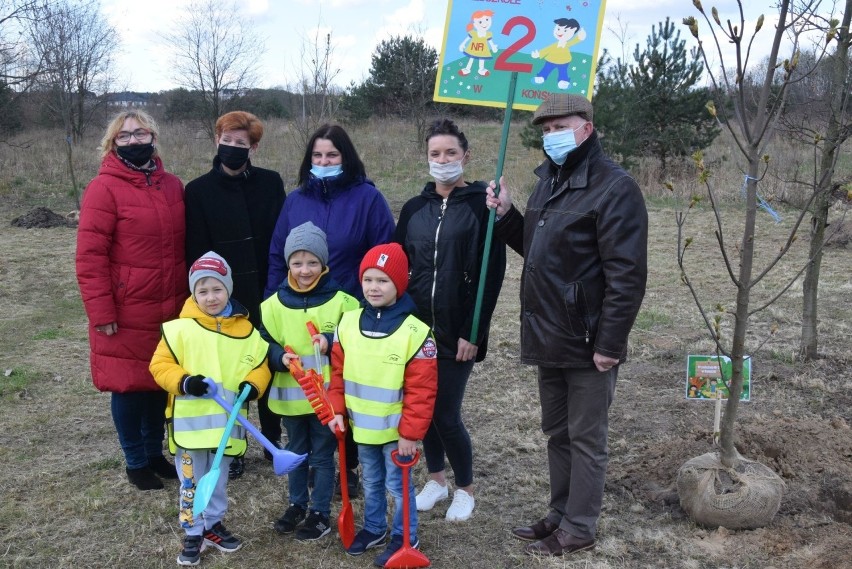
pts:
[584, 239]
[235, 216]
[445, 244]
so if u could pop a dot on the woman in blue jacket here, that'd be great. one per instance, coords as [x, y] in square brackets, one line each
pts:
[335, 195]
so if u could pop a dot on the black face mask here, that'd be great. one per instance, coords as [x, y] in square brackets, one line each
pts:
[233, 157]
[136, 154]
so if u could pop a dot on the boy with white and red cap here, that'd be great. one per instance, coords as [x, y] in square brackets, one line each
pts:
[212, 338]
[385, 375]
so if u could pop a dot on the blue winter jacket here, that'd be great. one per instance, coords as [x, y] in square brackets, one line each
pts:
[355, 218]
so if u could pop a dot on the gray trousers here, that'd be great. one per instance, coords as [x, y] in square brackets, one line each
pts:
[575, 416]
[191, 465]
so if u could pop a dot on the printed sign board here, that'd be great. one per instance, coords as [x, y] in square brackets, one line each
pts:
[552, 45]
[704, 377]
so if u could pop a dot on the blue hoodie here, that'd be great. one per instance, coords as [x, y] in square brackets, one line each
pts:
[355, 218]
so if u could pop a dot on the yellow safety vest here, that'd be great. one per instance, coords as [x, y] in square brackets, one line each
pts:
[287, 326]
[199, 423]
[374, 373]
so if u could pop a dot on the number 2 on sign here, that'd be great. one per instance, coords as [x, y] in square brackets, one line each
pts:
[502, 64]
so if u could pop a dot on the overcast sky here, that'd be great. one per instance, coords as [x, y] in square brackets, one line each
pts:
[357, 26]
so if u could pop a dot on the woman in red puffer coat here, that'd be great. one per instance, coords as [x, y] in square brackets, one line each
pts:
[132, 277]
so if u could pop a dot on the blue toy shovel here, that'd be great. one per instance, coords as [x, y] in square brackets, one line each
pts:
[205, 487]
[283, 461]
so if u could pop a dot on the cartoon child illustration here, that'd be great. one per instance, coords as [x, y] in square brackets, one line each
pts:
[693, 392]
[478, 43]
[558, 55]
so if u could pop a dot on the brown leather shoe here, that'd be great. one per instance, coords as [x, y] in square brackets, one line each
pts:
[539, 530]
[560, 542]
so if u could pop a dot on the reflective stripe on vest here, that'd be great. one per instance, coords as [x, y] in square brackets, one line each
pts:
[287, 326]
[374, 373]
[197, 422]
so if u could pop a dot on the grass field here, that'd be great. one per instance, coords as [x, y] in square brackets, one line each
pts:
[66, 502]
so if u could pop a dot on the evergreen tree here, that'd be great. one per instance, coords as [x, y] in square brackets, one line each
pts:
[667, 106]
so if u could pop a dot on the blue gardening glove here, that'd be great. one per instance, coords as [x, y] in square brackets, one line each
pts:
[194, 385]
[253, 393]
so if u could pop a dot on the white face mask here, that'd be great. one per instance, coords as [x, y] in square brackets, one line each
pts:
[446, 173]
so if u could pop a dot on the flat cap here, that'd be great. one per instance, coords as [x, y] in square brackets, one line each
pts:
[563, 105]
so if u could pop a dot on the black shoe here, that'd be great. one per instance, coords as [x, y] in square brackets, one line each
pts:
[351, 484]
[316, 526]
[291, 518]
[238, 466]
[268, 455]
[191, 553]
[144, 478]
[162, 467]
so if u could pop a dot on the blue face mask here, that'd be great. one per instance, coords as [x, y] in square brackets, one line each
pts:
[559, 144]
[327, 171]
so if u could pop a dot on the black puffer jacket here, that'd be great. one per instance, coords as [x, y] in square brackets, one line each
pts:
[584, 239]
[444, 242]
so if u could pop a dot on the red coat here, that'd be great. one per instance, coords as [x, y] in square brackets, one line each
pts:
[130, 268]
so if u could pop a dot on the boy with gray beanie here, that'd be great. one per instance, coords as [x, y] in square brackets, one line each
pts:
[309, 294]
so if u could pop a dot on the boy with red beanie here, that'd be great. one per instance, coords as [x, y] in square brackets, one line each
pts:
[385, 375]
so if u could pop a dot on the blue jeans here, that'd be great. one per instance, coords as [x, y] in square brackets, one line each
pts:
[140, 420]
[305, 434]
[379, 473]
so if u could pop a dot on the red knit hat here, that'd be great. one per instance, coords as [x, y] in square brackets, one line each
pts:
[391, 260]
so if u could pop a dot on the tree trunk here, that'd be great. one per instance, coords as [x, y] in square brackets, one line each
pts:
[809, 343]
[727, 435]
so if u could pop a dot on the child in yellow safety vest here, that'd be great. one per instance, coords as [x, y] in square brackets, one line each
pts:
[308, 294]
[385, 376]
[212, 338]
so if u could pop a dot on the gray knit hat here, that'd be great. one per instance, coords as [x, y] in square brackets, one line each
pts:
[307, 237]
[563, 105]
[211, 264]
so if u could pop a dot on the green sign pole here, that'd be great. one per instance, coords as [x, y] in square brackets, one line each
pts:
[489, 234]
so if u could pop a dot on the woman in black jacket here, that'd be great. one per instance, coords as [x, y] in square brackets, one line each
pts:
[232, 210]
[443, 233]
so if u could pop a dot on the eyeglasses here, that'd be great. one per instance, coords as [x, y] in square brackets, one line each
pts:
[139, 134]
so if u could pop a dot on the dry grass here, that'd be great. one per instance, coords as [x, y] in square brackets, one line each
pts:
[66, 503]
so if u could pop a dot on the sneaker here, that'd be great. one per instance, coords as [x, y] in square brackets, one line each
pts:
[221, 539]
[431, 494]
[365, 540]
[238, 466]
[291, 518]
[462, 507]
[316, 527]
[351, 484]
[394, 546]
[193, 545]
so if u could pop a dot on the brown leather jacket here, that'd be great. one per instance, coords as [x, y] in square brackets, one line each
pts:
[584, 239]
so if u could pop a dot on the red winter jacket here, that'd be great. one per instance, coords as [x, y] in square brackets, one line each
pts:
[130, 268]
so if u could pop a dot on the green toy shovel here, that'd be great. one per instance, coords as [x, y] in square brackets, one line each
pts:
[205, 487]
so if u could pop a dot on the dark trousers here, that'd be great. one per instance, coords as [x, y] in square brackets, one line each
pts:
[447, 435]
[575, 415]
[270, 423]
[140, 421]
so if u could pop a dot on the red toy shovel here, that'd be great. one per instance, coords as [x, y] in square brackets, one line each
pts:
[407, 556]
[346, 519]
